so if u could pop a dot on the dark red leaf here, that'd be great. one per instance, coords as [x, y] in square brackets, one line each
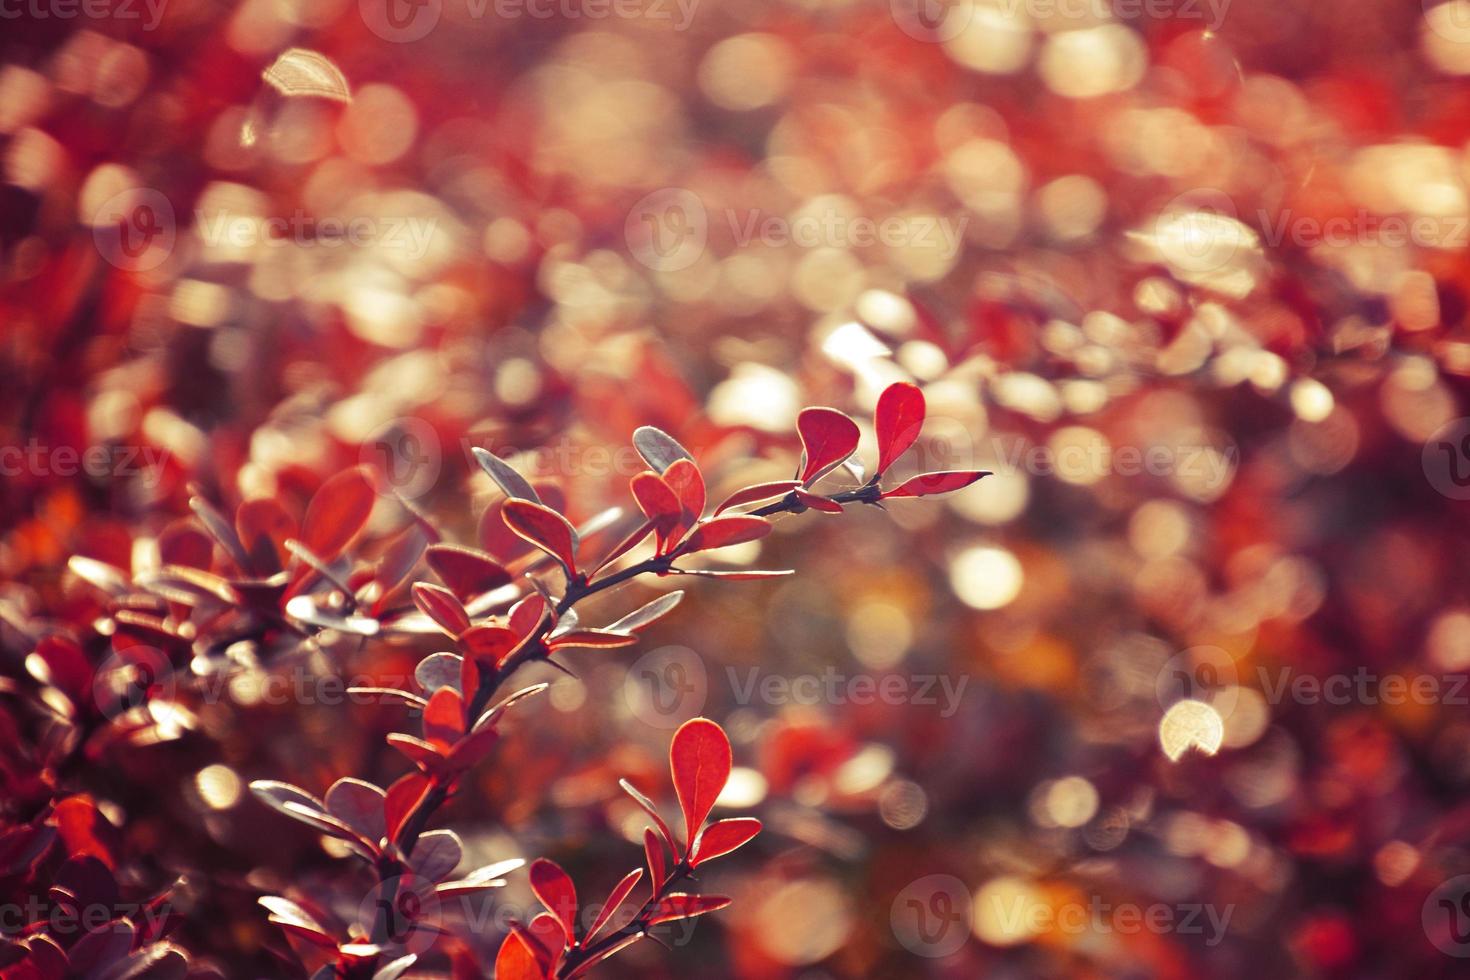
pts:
[898, 419]
[264, 527]
[756, 493]
[827, 438]
[653, 851]
[183, 543]
[444, 718]
[555, 890]
[467, 571]
[488, 644]
[681, 906]
[700, 760]
[722, 837]
[684, 478]
[427, 757]
[614, 901]
[721, 532]
[337, 512]
[544, 528]
[403, 799]
[930, 483]
[498, 540]
[818, 502]
[440, 605]
[660, 505]
[527, 614]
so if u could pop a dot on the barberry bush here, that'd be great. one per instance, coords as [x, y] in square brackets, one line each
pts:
[290, 586]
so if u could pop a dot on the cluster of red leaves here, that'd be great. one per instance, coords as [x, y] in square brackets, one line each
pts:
[285, 582]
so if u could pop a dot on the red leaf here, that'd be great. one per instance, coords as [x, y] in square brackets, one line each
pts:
[183, 543]
[498, 540]
[473, 748]
[659, 504]
[444, 718]
[654, 852]
[614, 901]
[684, 478]
[681, 906]
[337, 512]
[403, 799]
[722, 837]
[758, 492]
[515, 961]
[264, 527]
[818, 502]
[488, 643]
[466, 571]
[527, 614]
[898, 419]
[420, 753]
[720, 532]
[555, 890]
[544, 528]
[827, 438]
[544, 933]
[84, 831]
[930, 483]
[440, 605]
[700, 760]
